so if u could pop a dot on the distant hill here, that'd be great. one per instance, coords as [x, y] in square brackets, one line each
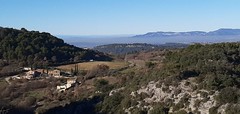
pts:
[35, 48]
[135, 47]
[219, 32]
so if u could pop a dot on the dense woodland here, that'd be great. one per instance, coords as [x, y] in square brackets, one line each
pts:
[218, 62]
[35, 49]
[119, 49]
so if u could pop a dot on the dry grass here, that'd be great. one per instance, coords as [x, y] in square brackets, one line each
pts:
[90, 65]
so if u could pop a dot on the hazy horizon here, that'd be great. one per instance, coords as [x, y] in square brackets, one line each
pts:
[107, 17]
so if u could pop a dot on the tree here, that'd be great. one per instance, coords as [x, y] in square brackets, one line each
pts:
[54, 58]
[76, 58]
[99, 70]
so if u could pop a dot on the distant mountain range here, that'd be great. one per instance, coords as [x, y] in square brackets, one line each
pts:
[219, 32]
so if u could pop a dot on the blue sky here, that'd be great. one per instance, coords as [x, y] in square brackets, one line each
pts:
[109, 17]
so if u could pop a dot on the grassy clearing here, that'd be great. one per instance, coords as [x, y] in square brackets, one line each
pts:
[90, 65]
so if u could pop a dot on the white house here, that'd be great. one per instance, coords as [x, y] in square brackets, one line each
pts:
[29, 75]
[70, 83]
[27, 68]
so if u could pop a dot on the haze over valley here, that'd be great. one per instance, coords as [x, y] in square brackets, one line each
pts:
[217, 36]
[120, 57]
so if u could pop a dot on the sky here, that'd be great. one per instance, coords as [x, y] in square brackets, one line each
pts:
[118, 17]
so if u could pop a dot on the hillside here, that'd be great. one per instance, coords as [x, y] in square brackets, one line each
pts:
[118, 49]
[200, 79]
[32, 48]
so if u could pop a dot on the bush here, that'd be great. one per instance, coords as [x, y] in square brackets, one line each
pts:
[159, 109]
[99, 70]
[102, 85]
[233, 109]
[138, 111]
[3, 63]
[178, 106]
[197, 103]
[213, 110]
[126, 102]
[150, 64]
[204, 94]
[182, 112]
[228, 95]
[112, 104]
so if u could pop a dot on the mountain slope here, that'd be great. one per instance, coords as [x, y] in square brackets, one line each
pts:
[33, 47]
[199, 79]
[219, 32]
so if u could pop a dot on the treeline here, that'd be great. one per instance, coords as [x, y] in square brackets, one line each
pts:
[118, 49]
[34, 48]
[219, 64]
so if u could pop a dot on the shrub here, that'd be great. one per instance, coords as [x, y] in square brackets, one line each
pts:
[204, 94]
[112, 104]
[99, 70]
[102, 85]
[228, 95]
[150, 64]
[182, 112]
[138, 111]
[159, 109]
[233, 109]
[99, 83]
[197, 103]
[213, 110]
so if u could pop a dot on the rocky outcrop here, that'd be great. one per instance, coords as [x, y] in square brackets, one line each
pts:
[184, 94]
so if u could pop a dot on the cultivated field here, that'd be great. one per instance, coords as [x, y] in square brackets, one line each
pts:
[90, 65]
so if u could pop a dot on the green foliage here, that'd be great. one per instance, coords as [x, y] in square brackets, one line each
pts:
[112, 104]
[126, 102]
[38, 48]
[228, 95]
[181, 112]
[98, 71]
[149, 64]
[213, 110]
[138, 111]
[118, 49]
[233, 109]
[159, 109]
[102, 85]
[217, 65]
